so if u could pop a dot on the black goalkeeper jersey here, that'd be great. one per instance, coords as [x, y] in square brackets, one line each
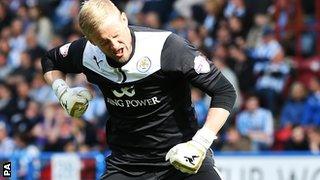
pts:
[148, 98]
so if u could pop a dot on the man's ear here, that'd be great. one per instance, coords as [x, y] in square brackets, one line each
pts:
[124, 18]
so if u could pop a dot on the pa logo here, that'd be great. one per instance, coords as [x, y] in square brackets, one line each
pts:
[6, 169]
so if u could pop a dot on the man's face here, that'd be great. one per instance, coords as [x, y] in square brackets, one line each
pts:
[252, 104]
[3, 133]
[113, 38]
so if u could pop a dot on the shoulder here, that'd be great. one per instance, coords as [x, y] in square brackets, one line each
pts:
[175, 41]
[171, 39]
[178, 53]
[80, 41]
[264, 111]
[145, 36]
[75, 46]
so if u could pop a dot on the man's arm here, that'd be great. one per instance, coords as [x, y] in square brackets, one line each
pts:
[53, 75]
[222, 100]
[55, 64]
[190, 64]
[216, 118]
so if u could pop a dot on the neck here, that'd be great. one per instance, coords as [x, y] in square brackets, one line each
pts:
[132, 42]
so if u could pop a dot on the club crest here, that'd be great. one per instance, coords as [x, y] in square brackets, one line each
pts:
[144, 64]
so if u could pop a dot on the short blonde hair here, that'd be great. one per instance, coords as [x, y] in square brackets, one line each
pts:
[93, 13]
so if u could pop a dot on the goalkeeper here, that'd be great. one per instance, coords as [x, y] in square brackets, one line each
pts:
[144, 76]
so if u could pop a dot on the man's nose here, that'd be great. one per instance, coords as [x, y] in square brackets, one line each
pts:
[115, 44]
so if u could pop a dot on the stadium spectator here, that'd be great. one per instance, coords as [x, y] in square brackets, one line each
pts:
[34, 49]
[4, 43]
[237, 31]
[25, 69]
[298, 140]
[255, 32]
[281, 137]
[152, 19]
[5, 70]
[268, 49]
[223, 35]
[7, 145]
[213, 9]
[292, 111]
[291, 114]
[58, 130]
[195, 37]
[256, 123]
[28, 153]
[44, 132]
[270, 68]
[235, 8]
[40, 91]
[243, 69]
[40, 26]
[85, 134]
[312, 108]
[17, 43]
[163, 8]
[234, 141]
[220, 51]
[23, 123]
[133, 10]
[314, 139]
[23, 98]
[63, 14]
[6, 16]
[8, 104]
[185, 7]
[22, 14]
[178, 24]
[271, 82]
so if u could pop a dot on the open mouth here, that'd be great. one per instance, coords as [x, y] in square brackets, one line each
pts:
[119, 52]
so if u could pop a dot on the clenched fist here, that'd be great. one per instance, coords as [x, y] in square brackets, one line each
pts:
[74, 100]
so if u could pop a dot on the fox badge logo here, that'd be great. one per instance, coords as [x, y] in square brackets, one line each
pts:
[144, 64]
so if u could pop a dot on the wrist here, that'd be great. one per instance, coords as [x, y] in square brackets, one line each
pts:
[205, 137]
[59, 86]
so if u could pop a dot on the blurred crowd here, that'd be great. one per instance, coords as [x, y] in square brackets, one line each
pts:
[275, 109]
